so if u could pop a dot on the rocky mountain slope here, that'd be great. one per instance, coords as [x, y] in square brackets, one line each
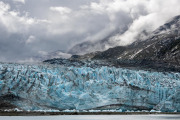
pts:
[101, 45]
[160, 49]
[162, 44]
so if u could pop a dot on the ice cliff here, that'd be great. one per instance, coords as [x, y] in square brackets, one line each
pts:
[41, 87]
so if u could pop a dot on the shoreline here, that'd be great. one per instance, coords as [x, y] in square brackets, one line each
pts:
[82, 113]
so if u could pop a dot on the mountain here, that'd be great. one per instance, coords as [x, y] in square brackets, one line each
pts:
[51, 55]
[99, 45]
[104, 44]
[160, 49]
[89, 46]
[93, 46]
[161, 44]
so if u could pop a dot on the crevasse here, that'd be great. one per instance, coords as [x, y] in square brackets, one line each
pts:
[40, 87]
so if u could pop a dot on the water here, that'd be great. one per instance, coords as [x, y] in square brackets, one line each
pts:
[94, 117]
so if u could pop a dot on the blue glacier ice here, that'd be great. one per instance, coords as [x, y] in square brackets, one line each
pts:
[42, 87]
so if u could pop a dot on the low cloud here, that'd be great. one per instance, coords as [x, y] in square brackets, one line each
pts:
[47, 25]
[30, 39]
[156, 14]
[21, 1]
[61, 10]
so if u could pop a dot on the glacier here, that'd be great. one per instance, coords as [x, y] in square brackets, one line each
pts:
[57, 87]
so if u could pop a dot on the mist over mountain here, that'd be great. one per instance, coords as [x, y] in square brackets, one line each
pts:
[104, 44]
[51, 55]
[30, 28]
[158, 50]
[163, 43]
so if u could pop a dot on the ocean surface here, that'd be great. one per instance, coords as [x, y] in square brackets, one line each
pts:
[94, 117]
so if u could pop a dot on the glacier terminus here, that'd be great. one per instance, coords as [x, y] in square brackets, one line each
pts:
[56, 87]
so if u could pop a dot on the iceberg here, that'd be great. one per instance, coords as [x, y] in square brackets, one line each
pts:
[55, 87]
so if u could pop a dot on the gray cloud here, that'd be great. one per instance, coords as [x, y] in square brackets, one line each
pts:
[30, 26]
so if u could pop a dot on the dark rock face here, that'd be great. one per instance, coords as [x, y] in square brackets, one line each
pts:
[6, 105]
[161, 53]
[7, 100]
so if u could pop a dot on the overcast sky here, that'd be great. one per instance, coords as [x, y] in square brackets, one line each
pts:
[33, 27]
